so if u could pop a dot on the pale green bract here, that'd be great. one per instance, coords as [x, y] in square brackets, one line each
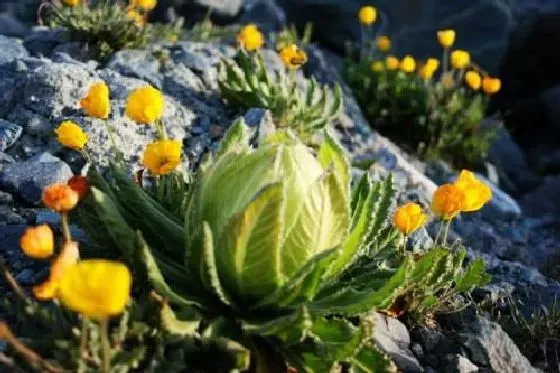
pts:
[278, 207]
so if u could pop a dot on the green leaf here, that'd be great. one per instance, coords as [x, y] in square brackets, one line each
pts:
[249, 260]
[171, 324]
[290, 329]
[331, 154]
[236, 138]
[209, 270]
[474, 275]
[371, 360]
[337, 339]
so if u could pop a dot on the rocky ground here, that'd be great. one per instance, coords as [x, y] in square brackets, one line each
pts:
[43, 75]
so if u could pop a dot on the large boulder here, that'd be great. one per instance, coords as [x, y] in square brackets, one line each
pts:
[413, 23]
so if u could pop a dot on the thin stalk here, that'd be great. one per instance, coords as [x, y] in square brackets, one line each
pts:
[110, 131]
[445, 60]
[11, 280]
[83, 345]
[105, 346]
[438, 234]
[66, 228]
[161, 130]
[446, 232]
[86, 155]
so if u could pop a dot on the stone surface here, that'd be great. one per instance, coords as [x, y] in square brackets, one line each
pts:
[544, 200]
[9, 134]
[27, 179]
[460, 364]
[11, 26]
[11, 49]
[413, 23]
[391, 336]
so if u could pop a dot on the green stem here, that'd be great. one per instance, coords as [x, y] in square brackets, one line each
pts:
[66, 228]
[438, 234]
[83, 345]
[446, 232]
[105, 346]
[110, 131]
[444, 61]
[86, 155]
[161, 130]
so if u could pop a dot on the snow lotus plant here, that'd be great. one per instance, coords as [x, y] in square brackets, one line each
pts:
[272, 258]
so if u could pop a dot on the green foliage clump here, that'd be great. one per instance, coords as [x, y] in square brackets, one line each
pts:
[304, 107]
[106, 28]
[290, 35]
[425, 116]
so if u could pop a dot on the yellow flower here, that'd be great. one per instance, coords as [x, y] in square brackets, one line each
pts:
[448, 201]
[446, 38]
[491, 86]
[71, 3]
[96, 288]
[71, 135]
[250, 38]
[96, 103]
[367, 15]
[460, 59]
[429, 68]
[60, 197]
[37, 242]
[144, 105]
[383, 43]
[293, 57]
[476, 192]
[68, 257]
[135, 16]
[408, 218]
[162, 156]
[392, 63]
[377, 66]
[473, 80]
[144, 4]
[408, 64]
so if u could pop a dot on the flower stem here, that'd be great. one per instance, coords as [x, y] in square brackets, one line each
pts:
[66, 228]
[446, 232]
[161, 130]
[438, 234]
[105, 345]
[83, 344]
[111, 133]
[11, 280]
[445, 58]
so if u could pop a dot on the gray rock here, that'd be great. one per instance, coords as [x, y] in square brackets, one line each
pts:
[413, 24]
[261, 120]
[9, 134]
[11, 49]
[268, 15]
[460, 364]
[488, 345]
[42, 41]
[9, 216]
[392, 337]
[141, 64]
[32, 123]
[27, 179]
[502, 206]
[11, 26]
[229, 8]
[544, 200]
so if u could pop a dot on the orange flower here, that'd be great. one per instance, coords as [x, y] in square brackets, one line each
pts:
[60, 197]
[448, 201]
[80, 185]
[491, 86]
[38, 242]
[68, 257]
[408, 218]
[477, 194]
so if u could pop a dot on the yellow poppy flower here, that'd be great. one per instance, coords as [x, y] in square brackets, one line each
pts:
[477, 194]
[96, 288]
[408, 218]
[429, 68]
[293, 57]
[383, 43]
[446, 38]
[491, 86]
[68, 257]
[377, 66]
[71, 3]
[392, 63]
[408, 64]
[143, 4]
[135, 17]
[473, 80]
[144, 105]
[96, 103]
[250, 38]
[367, 15]
[460, 59]
[448, 201]
[38, 242]
[60, 197]
[162, 156]
[71, 135]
